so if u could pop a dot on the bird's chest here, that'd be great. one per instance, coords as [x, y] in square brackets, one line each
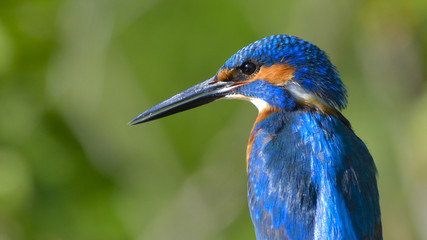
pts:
[281, 192]
[292, 168]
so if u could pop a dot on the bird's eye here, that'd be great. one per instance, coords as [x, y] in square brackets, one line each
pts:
[248, 68]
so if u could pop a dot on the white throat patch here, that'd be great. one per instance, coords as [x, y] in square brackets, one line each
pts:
[260, 104]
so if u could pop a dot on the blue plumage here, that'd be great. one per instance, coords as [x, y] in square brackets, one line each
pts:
[309, 175]
[312, 67]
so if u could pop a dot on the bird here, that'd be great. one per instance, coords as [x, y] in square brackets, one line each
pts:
[309, 176]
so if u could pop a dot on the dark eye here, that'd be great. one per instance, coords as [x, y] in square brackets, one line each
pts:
[248, 68]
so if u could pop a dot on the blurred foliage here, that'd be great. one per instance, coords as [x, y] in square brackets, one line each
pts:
[74, 72]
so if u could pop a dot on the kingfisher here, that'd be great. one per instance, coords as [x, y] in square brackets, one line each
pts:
[308, 175]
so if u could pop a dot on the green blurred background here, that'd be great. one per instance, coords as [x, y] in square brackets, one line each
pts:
[74, 72]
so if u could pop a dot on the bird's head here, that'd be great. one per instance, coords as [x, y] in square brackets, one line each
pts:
[280, 71]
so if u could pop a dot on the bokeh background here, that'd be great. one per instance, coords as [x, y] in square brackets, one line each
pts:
[74, 72]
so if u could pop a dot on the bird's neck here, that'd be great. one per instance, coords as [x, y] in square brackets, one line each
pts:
[295, 160]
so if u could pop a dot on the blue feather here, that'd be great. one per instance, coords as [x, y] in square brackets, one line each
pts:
[311, 177]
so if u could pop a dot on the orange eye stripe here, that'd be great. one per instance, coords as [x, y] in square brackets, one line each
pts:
[224, 75]
[277, 74]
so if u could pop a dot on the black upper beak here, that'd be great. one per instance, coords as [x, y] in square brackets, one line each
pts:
[200, 94]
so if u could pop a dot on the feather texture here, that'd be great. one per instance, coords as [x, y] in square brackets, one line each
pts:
[311, 177]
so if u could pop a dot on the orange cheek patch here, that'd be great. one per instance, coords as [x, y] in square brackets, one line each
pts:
[224, 75]
[277, 74]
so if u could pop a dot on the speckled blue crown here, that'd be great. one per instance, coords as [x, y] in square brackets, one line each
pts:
[313, 70]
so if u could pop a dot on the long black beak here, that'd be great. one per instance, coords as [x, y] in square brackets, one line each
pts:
[200, 94]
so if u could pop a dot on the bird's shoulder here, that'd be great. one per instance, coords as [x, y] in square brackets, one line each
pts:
[289, 150]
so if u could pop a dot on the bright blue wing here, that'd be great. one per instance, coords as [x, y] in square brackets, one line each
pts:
[311, 177]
